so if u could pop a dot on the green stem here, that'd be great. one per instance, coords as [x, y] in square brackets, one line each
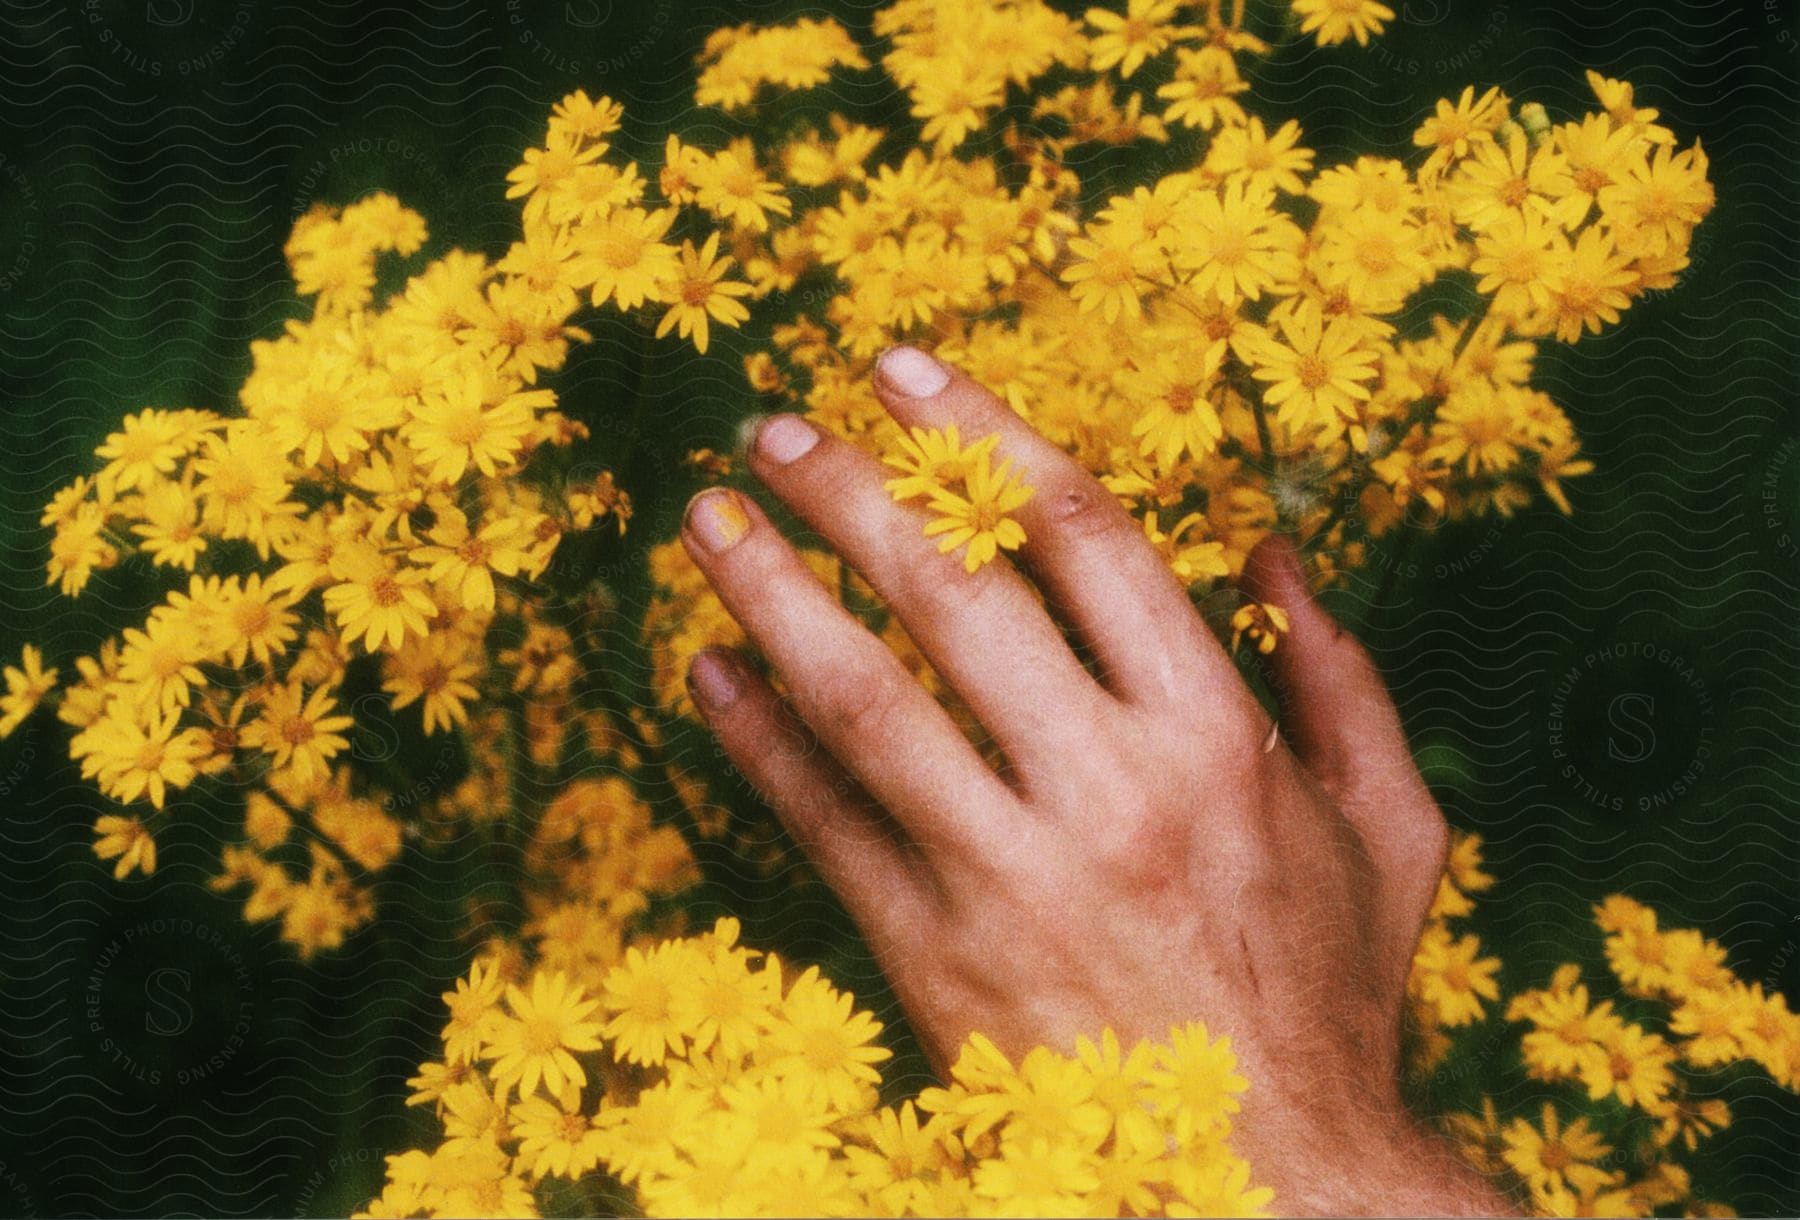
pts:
[1474, 324]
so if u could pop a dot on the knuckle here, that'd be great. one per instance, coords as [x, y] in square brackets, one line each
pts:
[1239, 746]
[1081, 508]
[1144, 842]
[1429, 840]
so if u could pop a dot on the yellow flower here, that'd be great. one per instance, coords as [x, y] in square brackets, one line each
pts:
[438, 670]
[1203, 93]
[473, 1009]
[1176, 417]
[1333, 21]
[1691, 1120]
[1316, 370]
[1260, 161]
[1695, 963]
[586, 118]
[162, 661]
[639, 1139]
[1190, 558]
[474, 1180]
[797, 56]
[376, 602]
[1615, 96]
[129, 841]
[1635, 1065]
[625, 258]
[301, 731]
[1586, 286]
[894, 1170]
[134, 754]
[169, 525]
[730, 185]
[474, 414]
[1712, 1025]
[146, 449]
[253, 621]
[78, 550]
[534, 1042]
[779, 1119]
[1219, 1185]
[1516, 257]
[953, 103]
[553, 1140]
[1550, 1156]
[545, 172]
[1114, 265]
[1374, 259]
[26, 685]
[1457, 127]
[1196, 1081]
[463, 564]
[243, 485]
[1478, 1138]
[1264, 623]
[1507, 179]
[819, 1041]
[639, 996]
[1144, 30]
[1234, 243]
[700, 292]
[724, 1003]
[1037, 1177]
[976, 518]
[1481, 428]
[331, 414]
[266, 823]
[932, 461]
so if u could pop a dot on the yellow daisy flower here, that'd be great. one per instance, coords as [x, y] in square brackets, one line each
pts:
[977, 518]
[534, 1042]
[700, 292]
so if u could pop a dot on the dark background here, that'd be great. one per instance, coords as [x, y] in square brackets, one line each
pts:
[1609, 699]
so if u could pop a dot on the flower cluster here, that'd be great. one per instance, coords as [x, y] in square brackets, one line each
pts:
[1232, 347]
[1250, 342]
[375, 517]
[697, 1077]
[1636, 1062]
[1222, 345]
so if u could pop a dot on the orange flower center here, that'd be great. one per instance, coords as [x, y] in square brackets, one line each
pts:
[297, 730]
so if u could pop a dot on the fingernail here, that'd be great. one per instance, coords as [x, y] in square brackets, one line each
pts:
[717, 520]
[785, 438]
[911, 372]
[714, 679]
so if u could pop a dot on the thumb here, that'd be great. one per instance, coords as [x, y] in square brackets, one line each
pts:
[1341, 723]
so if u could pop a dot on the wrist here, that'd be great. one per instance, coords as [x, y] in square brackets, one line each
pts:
[1367, 1159]
[1412, 1170]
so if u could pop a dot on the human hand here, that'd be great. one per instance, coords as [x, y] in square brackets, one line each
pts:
[1153, 851]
